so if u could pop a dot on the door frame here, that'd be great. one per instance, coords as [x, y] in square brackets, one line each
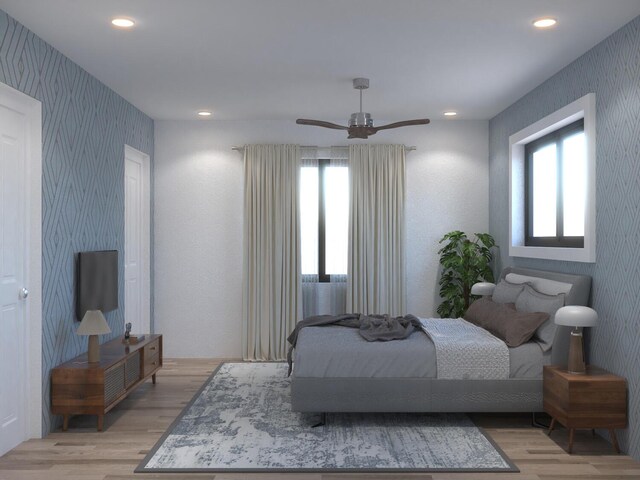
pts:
[146, 234]
[32, 109]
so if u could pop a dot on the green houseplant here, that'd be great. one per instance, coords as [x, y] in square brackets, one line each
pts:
[464, 262]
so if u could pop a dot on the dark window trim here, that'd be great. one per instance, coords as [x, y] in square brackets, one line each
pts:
[323, 277]
[559, 240]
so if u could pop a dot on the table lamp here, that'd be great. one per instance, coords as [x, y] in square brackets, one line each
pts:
[485, 289]
[93, 324]
[578, 317]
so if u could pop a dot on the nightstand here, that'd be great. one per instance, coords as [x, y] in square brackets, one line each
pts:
[597, 399]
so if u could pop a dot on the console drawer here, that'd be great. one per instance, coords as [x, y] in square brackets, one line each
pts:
[151, 363]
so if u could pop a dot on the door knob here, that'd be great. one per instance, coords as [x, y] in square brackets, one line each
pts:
[24, 293]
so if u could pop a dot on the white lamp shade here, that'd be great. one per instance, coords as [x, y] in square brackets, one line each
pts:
[482, 288]
[93, 323]
[576, 316]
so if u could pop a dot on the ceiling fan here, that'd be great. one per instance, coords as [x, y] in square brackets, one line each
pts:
[361, 123]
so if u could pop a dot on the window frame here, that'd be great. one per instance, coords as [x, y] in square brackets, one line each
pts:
[583, 107]
[556, 137]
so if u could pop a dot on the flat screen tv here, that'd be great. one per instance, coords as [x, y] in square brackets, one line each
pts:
[96, 282]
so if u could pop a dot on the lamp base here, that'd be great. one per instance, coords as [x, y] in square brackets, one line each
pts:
[93, 353]
[576, 354]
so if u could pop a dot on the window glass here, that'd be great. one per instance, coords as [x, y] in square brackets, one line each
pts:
[544, 191]
[574, 180]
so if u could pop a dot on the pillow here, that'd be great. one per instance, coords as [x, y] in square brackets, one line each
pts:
[506, 292]
[504, 321]
[542, 285]
[530, 300]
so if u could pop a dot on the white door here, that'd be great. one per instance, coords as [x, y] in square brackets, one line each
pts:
[137, 239]
[13, 293]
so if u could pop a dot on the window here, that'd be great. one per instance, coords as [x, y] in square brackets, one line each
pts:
[324, 219]
[555, 188]
[552, 185]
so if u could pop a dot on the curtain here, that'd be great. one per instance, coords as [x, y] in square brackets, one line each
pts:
[272, 302]
[324, 298]
[376, 269]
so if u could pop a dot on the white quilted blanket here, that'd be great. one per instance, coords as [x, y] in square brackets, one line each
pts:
[465, 351]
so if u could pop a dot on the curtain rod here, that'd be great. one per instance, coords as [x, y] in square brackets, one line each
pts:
[407, 148]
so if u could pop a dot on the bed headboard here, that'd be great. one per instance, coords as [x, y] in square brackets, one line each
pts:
[578, 295]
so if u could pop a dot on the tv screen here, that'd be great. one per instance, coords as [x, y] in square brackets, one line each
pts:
[97, 282]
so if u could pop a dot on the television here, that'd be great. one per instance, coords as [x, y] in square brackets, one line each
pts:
[96, 282]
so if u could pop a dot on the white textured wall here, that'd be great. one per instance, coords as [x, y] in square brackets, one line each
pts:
[198, 217]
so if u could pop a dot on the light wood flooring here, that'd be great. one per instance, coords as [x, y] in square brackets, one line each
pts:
[133, 427]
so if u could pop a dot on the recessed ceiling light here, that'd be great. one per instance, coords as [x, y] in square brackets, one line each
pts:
[544, 22]
[122, 22]
[450, 113]
[204, 113]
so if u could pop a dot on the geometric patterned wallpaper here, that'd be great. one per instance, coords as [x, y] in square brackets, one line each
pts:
[85, 127]
[612, 70]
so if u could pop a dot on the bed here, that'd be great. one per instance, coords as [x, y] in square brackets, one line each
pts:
[335, 370]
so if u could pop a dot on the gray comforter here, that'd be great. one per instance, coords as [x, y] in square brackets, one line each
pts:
[371, 327]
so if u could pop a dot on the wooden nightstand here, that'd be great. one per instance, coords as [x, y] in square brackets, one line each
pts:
[597, 399]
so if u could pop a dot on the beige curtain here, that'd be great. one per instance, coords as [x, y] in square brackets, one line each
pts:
[272, 302]
[376, 271]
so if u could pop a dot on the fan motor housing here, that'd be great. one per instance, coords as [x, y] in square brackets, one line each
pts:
[361, 119]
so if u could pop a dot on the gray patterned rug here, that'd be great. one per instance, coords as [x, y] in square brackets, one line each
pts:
[241, 420]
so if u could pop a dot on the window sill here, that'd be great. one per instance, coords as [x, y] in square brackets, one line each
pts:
[584, 255]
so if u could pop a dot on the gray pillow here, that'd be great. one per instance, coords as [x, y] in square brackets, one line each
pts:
[506, 292]
[530, 300]
[504, 321]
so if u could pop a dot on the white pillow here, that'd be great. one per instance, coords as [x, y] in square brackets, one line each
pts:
[542, 285]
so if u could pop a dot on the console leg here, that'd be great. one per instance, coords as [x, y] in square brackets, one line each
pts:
[153, 378]
[100, 422]
[65, 423]
[322, 422]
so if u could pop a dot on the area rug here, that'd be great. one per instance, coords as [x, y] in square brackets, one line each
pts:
[241, 421]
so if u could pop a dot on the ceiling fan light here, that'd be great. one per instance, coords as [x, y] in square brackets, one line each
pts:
[450, 113]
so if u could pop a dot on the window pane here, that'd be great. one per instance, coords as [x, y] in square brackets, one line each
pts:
[574, 180]
[309, 220]
[544, 191]
[336, 196]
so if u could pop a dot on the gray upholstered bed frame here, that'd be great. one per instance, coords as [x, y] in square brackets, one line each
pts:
[332, 394]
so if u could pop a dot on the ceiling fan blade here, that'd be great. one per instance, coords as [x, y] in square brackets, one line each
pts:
[405, 123]
[320, 123]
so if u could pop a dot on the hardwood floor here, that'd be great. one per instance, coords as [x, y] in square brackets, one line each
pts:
[133, 427]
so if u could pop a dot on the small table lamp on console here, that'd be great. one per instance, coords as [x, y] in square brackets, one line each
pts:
[93, 324]
[483, 288]
[576, 316]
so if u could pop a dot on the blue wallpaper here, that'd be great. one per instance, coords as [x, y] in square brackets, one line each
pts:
[85, 127]
[611, 70]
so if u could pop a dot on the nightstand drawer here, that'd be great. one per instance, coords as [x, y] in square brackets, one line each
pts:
[595, 400]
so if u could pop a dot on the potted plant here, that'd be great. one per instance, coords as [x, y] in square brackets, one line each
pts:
[464, 262]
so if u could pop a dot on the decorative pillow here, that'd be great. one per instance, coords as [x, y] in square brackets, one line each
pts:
[504, 321]
[506, 292]
[542, 285]
[530, 300]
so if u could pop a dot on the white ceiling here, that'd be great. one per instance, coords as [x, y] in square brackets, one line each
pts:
[283, 59]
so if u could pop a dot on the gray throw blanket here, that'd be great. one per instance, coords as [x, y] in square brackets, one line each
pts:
[372, 327]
